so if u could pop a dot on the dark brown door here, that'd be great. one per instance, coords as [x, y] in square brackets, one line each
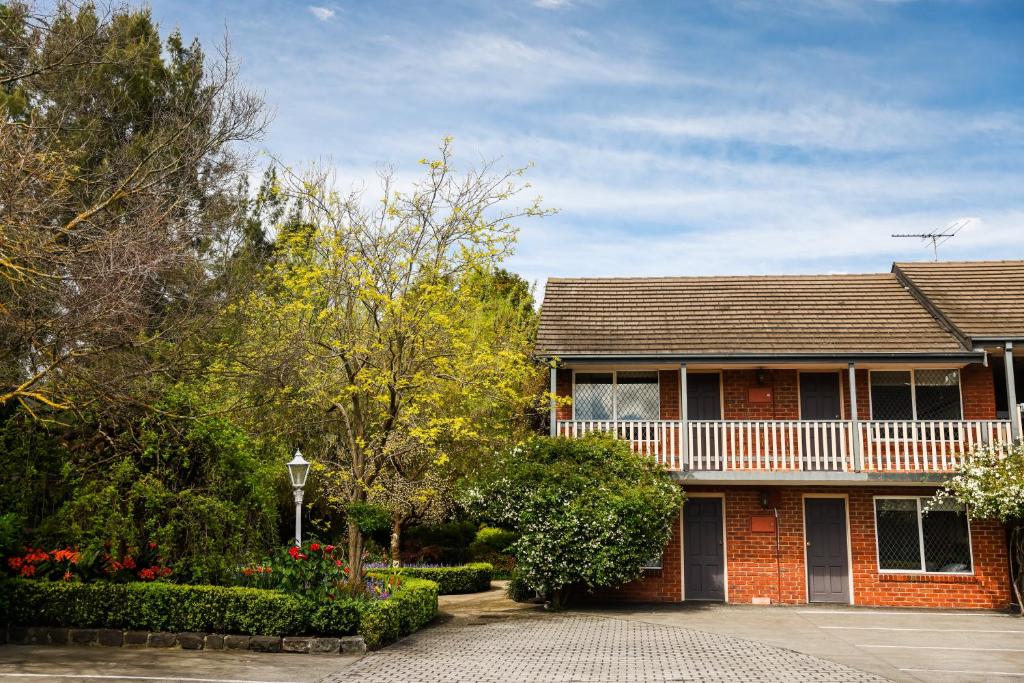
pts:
[819, 395]
[703, 397]
[704, 402]
[703, 549]
[828, 571]
[819, 400]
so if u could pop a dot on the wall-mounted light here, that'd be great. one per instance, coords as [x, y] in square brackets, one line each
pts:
[762, 376]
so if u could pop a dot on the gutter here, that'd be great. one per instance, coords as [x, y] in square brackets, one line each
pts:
[746, 358]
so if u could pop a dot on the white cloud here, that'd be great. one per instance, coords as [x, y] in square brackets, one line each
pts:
[322, 13]
[551, 4]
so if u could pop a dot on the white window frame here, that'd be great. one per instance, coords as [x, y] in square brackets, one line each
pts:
[615, 392]
[913, 391]
[920, 539]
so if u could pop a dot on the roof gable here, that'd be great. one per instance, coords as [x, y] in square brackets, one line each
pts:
[982, 299]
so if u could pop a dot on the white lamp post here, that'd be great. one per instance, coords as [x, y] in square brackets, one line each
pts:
[298, 470]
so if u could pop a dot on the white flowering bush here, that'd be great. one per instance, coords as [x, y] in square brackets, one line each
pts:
[589, 512]
[991, 483]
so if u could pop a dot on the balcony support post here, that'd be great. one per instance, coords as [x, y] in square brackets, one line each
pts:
[1011, 393]
[554, 404]
[684, 441]
[855, 444]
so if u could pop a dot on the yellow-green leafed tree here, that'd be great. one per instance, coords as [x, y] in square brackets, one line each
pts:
[379, 340]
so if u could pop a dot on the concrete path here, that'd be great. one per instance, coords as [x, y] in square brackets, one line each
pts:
[900, 644]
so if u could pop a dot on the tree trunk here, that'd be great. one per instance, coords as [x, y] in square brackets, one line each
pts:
[396, 540]
[355, 555]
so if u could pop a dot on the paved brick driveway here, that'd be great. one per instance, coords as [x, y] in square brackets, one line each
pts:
[585, 649]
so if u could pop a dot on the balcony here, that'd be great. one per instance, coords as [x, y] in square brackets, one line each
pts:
[802, 446]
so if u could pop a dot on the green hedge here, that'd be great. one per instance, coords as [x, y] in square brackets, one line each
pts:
[409, 609]
[215, 609]
[469, 578]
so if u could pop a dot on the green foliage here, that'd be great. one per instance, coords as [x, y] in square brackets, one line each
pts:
[470, 578]
[370, 518]
[409, 609]
[216, 609]
[11, 525]
[589, 512]
[446, 543]
[193, 483]
[518, 590]
[991, 483]
[492, 546]
[496, 539]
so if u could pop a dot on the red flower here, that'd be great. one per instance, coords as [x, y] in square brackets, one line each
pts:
[338, 562]
[67, 576]
[152, 545]
[329, 548]
[315, 547]
[28, 570]
[15, 563]
[128, 562]
[294, 552]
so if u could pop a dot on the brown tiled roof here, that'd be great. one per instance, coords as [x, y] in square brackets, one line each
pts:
[817, 314]
[980, 298]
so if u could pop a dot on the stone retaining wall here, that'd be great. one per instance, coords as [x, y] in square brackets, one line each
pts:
[41, 635]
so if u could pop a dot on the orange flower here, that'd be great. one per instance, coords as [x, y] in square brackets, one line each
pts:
[67, 576]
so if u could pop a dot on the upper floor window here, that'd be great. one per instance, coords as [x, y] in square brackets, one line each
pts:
[915, 395]
[623, 395]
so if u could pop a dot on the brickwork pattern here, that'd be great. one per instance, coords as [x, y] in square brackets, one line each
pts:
[758, 567]
[585, 649]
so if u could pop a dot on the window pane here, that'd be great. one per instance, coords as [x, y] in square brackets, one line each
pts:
[938, 394]
[947, 546]
[593, 397]
[638, 397]
[890, 396]
[898, 541]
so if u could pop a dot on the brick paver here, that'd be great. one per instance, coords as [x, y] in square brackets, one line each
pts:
[584, 649]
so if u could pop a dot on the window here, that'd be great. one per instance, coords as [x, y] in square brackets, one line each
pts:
[653, 563]
[915, 395]
[637, 396]
[632, 395]
[912, 539]
[593, 395]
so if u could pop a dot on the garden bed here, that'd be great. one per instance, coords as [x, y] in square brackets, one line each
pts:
[469, 578]
[174, 609]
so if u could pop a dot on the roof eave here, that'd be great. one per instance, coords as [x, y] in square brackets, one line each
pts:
[738, 358]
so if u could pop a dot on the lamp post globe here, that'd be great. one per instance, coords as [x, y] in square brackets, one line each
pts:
[298, 470]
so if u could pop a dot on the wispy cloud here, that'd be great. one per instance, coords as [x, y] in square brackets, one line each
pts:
[322, 13]
[551, 4]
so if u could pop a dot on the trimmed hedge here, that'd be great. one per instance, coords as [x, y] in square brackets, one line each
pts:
[469, 578]
[215, 609]
[409, 609]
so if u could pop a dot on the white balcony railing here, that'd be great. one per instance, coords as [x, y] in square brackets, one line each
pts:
[895, 446]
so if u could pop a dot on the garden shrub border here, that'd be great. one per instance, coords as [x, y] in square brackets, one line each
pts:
[474, 577]
[175, 608]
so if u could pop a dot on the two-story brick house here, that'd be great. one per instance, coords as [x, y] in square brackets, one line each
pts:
[808, 418]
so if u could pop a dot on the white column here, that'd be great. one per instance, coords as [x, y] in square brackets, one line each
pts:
[684, 440]
[858, 456]
[1011, 393]
[554, 404]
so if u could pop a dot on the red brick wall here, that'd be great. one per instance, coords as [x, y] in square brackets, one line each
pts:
[977, 388]
[563, 387]
[785, 404]
[757, 569]
[669, 381]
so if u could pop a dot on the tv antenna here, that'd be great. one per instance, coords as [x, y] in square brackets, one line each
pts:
[939, 237]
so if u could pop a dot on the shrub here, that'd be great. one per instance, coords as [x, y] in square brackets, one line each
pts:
[492, 546]
[446, 543]
[409, 609]
[589, 511]
[470, 578]
[518, 590]
[216, 609]
[156, 607]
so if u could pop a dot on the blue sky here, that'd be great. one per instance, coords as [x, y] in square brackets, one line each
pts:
[741, 136]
